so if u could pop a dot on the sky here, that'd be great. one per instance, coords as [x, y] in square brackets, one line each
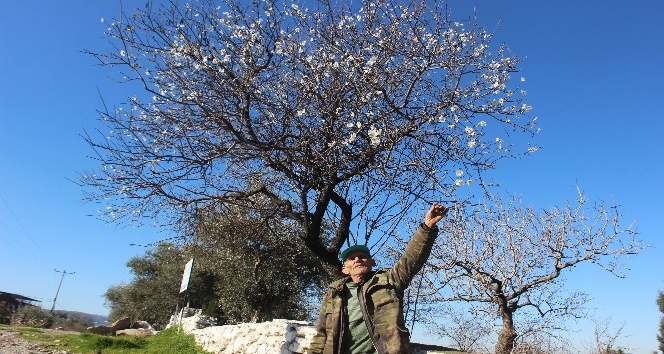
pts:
[594, 75]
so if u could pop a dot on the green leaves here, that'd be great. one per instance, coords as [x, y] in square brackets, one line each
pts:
[246, 269]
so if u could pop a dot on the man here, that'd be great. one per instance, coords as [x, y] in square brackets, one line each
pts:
[362, 313]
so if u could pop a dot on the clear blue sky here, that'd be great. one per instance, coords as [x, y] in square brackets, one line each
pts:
[594, 74]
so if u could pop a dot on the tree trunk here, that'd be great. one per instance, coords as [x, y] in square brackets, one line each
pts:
[507, 334]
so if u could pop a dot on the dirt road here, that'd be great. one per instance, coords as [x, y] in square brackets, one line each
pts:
[11, 343]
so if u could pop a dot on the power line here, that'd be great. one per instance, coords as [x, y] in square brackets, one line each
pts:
[15, 240]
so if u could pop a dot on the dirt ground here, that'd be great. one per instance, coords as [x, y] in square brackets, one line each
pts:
[11, 343]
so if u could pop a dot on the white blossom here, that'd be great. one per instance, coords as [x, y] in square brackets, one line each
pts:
[351, 138]
[374, 135]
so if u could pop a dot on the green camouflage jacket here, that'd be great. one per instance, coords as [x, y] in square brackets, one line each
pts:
[381, 299]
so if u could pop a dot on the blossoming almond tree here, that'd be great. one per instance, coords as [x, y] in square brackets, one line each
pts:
[339, 112]
[507, 261]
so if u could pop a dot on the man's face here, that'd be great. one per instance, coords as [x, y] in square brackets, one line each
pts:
[357, 264]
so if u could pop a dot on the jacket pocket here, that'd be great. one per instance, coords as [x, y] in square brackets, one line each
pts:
[384, 297]
[330, 319]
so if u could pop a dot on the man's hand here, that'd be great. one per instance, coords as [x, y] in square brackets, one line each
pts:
[434, 214]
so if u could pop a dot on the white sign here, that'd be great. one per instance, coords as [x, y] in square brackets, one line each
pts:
[185, 276]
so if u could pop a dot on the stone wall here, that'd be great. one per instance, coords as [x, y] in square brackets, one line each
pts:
[274, 337]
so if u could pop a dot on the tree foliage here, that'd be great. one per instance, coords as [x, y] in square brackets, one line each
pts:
[508, 259]
[346, 112]
[244, 271]
[6, 311]
[262, 271]
[660, 335]
[152, 294]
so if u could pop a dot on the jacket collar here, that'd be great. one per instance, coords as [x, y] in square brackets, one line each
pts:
[338, 285]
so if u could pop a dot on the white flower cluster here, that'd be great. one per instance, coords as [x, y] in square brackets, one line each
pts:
[374, 135]
[393, 80]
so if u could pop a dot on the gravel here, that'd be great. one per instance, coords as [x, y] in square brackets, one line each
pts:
[11, 343]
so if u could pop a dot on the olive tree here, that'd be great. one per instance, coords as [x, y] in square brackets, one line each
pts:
[660, 333]
[347, 112]
[152, 293]
[245, 270]
[260, 269]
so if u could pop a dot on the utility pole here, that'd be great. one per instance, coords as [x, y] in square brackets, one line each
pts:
[64, 272]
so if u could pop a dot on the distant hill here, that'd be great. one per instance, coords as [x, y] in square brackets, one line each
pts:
[96, 320]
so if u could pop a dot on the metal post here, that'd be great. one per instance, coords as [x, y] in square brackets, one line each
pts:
[64, 272]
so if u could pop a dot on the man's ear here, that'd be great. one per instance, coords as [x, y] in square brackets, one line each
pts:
[344, 270]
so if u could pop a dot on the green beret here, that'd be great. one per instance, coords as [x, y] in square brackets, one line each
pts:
[357, 248]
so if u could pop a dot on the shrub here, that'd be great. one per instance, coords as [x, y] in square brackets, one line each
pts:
[5, 312]
[71, 322]
[32, 316]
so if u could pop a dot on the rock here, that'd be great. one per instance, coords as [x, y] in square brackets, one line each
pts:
[138, 329]
[103, 330]
[123, 323]
[142, 324]
[135, 332]
[190, 319]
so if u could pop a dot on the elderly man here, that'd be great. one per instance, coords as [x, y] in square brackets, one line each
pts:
[362, 313]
